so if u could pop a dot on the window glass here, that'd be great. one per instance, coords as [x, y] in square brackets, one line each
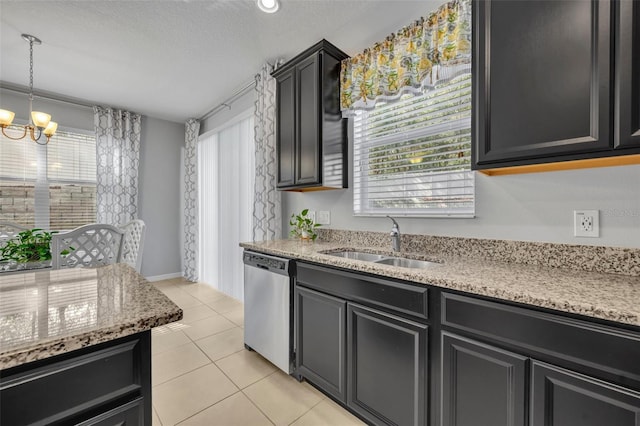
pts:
[412, 157]
[51, 186]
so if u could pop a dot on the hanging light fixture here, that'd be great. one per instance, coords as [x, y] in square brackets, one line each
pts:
[39, 122]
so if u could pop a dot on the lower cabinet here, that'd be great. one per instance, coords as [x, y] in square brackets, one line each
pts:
[104, 384]
[372, 344]
[482, 385]
[373, 361]
[321, 342]
[563, 397]
[130, 414]
[387, 367]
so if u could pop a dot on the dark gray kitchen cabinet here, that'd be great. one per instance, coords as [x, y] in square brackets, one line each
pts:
[512, 361]
[554, 81]
[311, 135]
[482, 385]
[387, 367]
[285, 142]
[562, 397]
[130, 414]
[104, 384]
[364, 341]
[321, 340]
[627, 74]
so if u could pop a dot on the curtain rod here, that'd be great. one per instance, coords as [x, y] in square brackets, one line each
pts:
[24, 90]
[227, 103]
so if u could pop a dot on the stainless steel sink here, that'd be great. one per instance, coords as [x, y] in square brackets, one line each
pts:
[403, 262]
[383, 259]
[358, 255]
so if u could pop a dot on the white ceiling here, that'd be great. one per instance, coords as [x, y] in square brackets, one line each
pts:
[176, 59]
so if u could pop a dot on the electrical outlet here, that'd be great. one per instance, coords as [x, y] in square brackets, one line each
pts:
[312, 215]
[324, 217]
[586, 223]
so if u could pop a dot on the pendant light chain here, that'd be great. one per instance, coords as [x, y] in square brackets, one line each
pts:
[30, 79]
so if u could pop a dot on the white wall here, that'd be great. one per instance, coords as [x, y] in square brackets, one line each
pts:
[527, 207]
[159, 174]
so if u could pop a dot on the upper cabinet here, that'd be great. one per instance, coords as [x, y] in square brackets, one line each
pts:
[544, 75]
[311, 135]
[627, 74]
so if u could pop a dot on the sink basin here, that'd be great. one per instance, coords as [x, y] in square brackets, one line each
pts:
[358, 255]
[407, 263]
[383, 259]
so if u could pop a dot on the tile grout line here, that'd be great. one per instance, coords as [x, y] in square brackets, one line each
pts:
[256, 405]
[206, 408]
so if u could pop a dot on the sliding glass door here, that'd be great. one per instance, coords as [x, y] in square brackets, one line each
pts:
[226, 170]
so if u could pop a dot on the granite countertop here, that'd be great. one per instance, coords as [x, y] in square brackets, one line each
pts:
[47, 313]
[606, 296]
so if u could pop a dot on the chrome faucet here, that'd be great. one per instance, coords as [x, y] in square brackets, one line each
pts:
[395, 235]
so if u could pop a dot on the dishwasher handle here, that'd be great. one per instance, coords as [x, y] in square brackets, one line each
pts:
[269, 263]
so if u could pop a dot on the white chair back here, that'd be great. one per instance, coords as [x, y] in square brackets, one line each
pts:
[90, 246]
[134, 233]
[8, 230]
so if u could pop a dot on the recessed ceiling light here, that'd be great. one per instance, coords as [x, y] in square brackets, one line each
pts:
[268, 6]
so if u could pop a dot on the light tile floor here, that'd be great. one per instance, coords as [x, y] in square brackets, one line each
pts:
[203, 375]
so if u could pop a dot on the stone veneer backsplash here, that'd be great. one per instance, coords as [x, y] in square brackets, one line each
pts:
[612, 260]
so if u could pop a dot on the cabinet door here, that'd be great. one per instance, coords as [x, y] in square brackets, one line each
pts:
[321, 341]
[130, 414]
[286, 130]
[562, 397]
[627, 61]
[541, 79]
[481, 385]
[309, 119]
[387, 362]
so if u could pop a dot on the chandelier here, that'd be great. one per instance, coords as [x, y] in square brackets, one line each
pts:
[39, 123]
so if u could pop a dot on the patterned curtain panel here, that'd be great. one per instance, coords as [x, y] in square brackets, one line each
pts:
[190, 261]
[433, 49]
[267, 220]
[117, 161]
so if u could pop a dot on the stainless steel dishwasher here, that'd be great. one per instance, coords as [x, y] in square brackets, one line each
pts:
[268, 308]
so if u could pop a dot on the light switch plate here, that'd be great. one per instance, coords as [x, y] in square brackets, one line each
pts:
[324, 217]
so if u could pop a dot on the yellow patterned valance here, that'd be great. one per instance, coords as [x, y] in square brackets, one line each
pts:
[432, 50]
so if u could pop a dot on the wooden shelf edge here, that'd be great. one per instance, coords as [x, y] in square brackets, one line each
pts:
[623, 160]
[310, 189]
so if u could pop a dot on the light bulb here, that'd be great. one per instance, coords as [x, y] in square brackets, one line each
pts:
[40, 119]
[51, 128]
[6, 117]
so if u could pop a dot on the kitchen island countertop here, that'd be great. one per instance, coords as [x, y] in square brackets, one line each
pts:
[50, 312]
[610, 297]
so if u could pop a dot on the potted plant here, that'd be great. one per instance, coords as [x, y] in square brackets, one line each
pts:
[31, 245]
[304, 226]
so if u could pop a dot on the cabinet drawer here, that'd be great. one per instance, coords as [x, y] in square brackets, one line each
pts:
[593, 346]
[398, 296]
[67, 388]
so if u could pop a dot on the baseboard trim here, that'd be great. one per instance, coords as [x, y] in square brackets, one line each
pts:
[164, 277]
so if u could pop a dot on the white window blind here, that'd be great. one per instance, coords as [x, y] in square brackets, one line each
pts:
[48, 186]
[412, 157]
[225, 198]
